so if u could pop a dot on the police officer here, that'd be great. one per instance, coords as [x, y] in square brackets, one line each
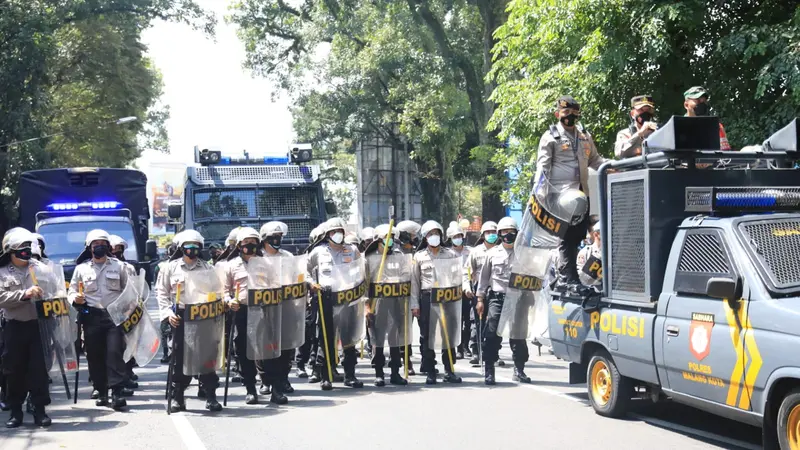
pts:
[590, 259]
[185, 259]
[379, 243]
[213, 252]
[455, 241]
[230, 243]
[629, 141]
[271, 234]
[472, 272]
[38, 252]
[332, 250]
[422, 282]
[166, 329]
[118, 248]
[491, 294]
[566, 151]
[307, 353]
[23, 356]
[97, 281]
[366, 238]
[408, 242]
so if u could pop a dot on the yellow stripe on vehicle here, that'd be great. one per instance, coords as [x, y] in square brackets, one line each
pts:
[755, 361]
[747, 354]
[738, 368]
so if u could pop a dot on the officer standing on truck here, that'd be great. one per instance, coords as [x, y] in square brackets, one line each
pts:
[566, 151]
[185, 259]
[492, 287]
[23, 362]
[98, 280]
[472, 272]
[271, 234]
[629, 140]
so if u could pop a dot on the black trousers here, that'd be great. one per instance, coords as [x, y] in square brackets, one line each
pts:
[306, 354]
[105, 346]
[350, 355]
[208, 381]
[166, 334]
[568, 250]
[466, 323]
[24, 364]
[247, 367]
[491, 341]
[379, 359]
[428, 355]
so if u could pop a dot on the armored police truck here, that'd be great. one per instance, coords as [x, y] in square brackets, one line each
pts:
[223, 193]
[701, 287]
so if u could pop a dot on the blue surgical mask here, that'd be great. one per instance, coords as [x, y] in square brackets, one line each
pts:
[458, 241]
[390, 242]
[492, 238]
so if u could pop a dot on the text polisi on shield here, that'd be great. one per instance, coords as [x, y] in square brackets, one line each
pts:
[264, 297]
[351, 294]
[525, 282]
[205, 311]
[130, 323]
[451, 294]
[390, 290]
[295, 291]
[55, 307]
[549, 222]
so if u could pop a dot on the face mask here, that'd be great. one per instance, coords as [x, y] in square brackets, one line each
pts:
[434, 240]
[275, 242]
[701, 109]
[509, 238]
[415, 242]
[249, 249]
[191, 252]
[492, 238]
[118, 255]
[644, 117]
[389, 243]
[337, 237]
[100, 251]
[458, 241]
[23, 253]
[569, 120]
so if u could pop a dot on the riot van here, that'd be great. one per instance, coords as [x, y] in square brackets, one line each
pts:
[700, 298]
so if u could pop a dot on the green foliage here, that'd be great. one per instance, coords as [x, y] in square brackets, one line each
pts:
[339, 181]
[603, 52]
[71, 69]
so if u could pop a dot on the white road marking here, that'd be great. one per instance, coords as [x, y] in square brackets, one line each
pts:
[187, 433]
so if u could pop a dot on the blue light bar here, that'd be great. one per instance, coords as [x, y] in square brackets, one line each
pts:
[742, 199]
[226, 160]
[746, 200]
[83, 206]
[276, 160]
[306, 171]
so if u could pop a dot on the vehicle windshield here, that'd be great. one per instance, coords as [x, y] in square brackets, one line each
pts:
[217, 232]
[65, 241]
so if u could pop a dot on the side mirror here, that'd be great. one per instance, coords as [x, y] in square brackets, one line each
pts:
[151, 249]
[330, 207]
[726, 288]
[174, 210]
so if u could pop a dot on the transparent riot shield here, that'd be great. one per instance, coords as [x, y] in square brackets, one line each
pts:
[526, 279]
[129, 313]
[547, 217]
[57, 320]
[389, 291]
[203, 321]
[591, 271]
[264, 297]
[444, 327]
[295, 298]
[142, 288]
[348, 289]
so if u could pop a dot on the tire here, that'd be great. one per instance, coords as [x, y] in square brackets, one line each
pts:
[609, 392]
[789, 420]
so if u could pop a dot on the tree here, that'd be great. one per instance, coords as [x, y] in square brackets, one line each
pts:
[746, 52]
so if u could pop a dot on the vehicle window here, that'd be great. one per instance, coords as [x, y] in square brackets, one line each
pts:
[703, 256]
[65, 241]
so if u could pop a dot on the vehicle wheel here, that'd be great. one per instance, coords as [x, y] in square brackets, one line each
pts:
[609, 392]
[789, 421]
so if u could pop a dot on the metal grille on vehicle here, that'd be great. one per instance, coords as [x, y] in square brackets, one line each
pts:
[298, 229]
[703, 253]
[777, 246]
[286, 202]
[247, 173]
[268, 202]
[628, 236]
[218, 203]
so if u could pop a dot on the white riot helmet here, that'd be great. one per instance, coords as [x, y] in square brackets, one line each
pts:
[184, 238]
[507, 223]
[97, 235]
[332, 225]
[488, 226]
[427, 227]
[573, 205]
[352, 239]
[246, 232]
[366, 234]
[381, 231]
[232, 236]
[315, 234]
[15, 239]
[117, 240]
[273, 228]
[454, 230]
[248, 249]
[38, 250]
[409, 233]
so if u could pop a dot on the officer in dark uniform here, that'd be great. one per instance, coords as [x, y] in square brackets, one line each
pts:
[23, 356]
[566, 151]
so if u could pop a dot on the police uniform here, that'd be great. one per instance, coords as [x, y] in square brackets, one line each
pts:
[421, 284]
[589, 258]
[307, 353]
[629, 141]
[23, 357]
[472, 272]
[166, 289]
[284, 363]
[319, 264]
[102, 283]
[165, 328]
[563, 160]
[466, 306]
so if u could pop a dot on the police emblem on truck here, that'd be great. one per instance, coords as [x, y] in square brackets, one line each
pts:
[700, 335]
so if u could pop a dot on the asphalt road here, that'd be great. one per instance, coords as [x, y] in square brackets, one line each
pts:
[547, 414]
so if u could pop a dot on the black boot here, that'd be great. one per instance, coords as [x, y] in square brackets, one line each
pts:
[264, 389]
[101, 397]
[474, 361]
[488, 375]
[337, 377]
[211, 401]
[396, 379]
[430, 377]
[126, 391]
[178, 403]
[315, 378]
[118, 402]
[301, 372]
[350, 380]
[134, 377]
[251, 398]
[277, 396]
[95, 394]
[451, 377]
[40, 417]
[130, 384]
[519, 374]
[380, 379]
[287, 387]
[326, 385]
[164, 359]
[16, 418]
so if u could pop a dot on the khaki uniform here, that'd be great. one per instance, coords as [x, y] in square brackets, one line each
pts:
[628, 143]
[565, 161]
[496, 271]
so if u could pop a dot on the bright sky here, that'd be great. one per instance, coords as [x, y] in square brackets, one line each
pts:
[213, 101]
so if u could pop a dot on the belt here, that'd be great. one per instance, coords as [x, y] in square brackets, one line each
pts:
[497, 295]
